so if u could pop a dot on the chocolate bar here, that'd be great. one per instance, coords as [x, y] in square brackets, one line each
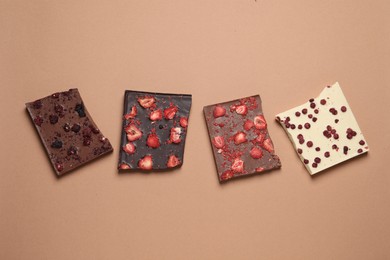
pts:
[67, 131]
[154, 130]
[239, 138]
[324, 130]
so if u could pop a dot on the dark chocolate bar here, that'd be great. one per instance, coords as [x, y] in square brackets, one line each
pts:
[67, 131]
[239, 138]
[154, 130]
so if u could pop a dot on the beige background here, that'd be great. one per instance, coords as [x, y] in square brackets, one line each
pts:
[286, 51]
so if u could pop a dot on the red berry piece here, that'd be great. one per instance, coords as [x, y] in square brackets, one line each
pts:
[343, 109]
[299, 150]
[306, 161]
[268, 145]
[133, 133]
[123, 166]
[59, 166]
[53, 119]
[38, 121]
[240, 138]
[361, 142]
[297, 114]
[360, 150]
[226, 175]
[323, 102]
[37, 104]
[314, 119]
[219, 111]
[345, 150]
[327, 154]
[260, 122]
[146, 163]
[304, 111]
[146, 102]
[317, 160]
[335, 147]
[313, 105]
[311, 100]
[260, 138]
[76, 128]
[307, 125]
[300, 127]
[131, 114]
[248, 124]
[316, 111]
[314, 165]
[129, 148]
[333, 111]
[155, 115]
[309, 144]
[66, 127]
[219, 142]
[184, 122]
[170, 112]
[318, 149]
[310, 116]
[259, 169]
[238, 165]
[152, 141]
[175, 135]
[256, 153]
[241, 110]
[173, 161]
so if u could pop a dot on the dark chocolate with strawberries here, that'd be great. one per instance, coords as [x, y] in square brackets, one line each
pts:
[239, 138]
[67, 131]
[154, 130]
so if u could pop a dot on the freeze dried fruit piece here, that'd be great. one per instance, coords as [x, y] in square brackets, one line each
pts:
[239, 138]
[67, 131]
[333, 137]
[154, 130]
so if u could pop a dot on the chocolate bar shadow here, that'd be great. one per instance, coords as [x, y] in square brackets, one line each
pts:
[336, 167]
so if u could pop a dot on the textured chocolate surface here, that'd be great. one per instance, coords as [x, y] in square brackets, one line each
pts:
[154, 130]
[239, 138]
[67, 131]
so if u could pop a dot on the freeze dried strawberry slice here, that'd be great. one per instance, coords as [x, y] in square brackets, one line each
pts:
[268, 145]
[219, 111]
[153, 141]
[227, 175]
[260, 138]
[129, 148]
[173, 161]
[238, 165]
[260, 122]
[131, 114]
[240, 138]
[147, 101]
[124, 166]
[248, 124]
[184, 122]
[170, 112]
[256, 153]
[155, 115]
[259, 169]
[146, 163]
[219, 142]
[133, 133]
[175, 135]
[241, 110]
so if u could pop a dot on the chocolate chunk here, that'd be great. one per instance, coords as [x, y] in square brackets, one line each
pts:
[54, 118]
[154, 130]
[239, 138]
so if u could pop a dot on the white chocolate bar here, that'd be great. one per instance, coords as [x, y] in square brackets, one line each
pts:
[324, 130]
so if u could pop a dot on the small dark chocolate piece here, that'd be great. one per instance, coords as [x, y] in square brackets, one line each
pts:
[62, 120]
[154, 130]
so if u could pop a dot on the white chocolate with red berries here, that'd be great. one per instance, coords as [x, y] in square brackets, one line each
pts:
[324, 130]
